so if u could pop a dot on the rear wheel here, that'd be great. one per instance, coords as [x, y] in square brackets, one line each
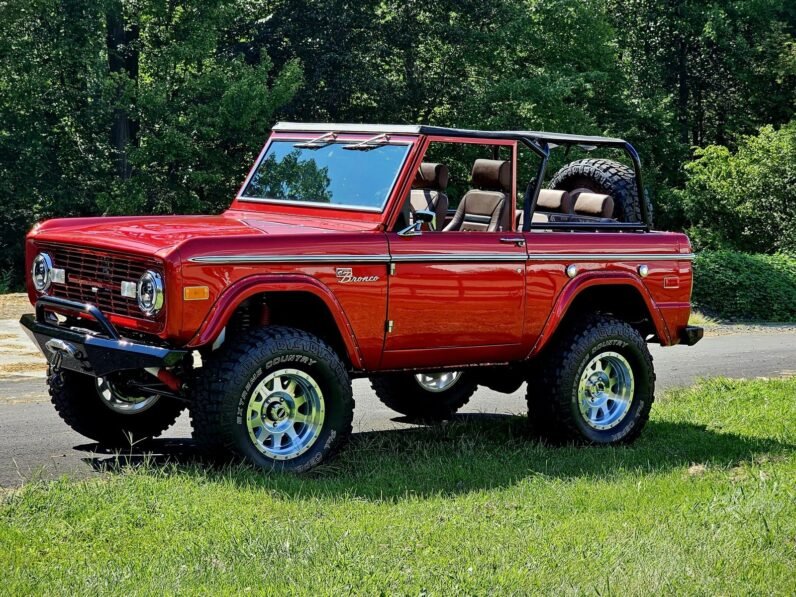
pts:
[280, 399]
[597, 386]
[425, 396]
[606, 177]
[107, 411]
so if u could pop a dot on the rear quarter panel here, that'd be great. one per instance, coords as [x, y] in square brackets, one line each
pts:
[610, 258]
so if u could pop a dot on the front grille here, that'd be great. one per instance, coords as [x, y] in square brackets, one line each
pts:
[95, 276]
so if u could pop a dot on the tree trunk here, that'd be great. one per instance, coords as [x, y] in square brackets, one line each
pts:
[122, 58]
[682, 85]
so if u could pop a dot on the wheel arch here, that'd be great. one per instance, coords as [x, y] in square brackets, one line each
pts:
[283, 298]
[619, 294]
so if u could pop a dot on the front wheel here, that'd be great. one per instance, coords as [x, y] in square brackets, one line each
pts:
[280, 399]
[597, 386]
[425, 396]
[108, 411]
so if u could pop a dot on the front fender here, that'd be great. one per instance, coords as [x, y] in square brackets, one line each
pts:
[590, 280]
[219, 315]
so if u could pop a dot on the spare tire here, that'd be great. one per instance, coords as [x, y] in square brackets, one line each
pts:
[605, 177]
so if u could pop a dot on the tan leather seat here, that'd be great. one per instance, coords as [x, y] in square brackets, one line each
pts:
[549, 201]
[594, 205]
[428, 190]
[485, 208]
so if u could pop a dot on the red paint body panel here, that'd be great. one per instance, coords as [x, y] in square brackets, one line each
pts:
[456, 304]
[453, 299]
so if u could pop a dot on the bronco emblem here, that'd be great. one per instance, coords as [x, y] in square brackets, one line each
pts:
[345, 275]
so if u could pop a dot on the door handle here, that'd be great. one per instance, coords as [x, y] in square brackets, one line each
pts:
[520, 242]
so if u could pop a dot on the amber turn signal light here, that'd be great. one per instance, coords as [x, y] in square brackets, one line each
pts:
[195, 293]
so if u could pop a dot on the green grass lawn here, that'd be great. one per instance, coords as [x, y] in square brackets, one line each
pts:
[704, 502]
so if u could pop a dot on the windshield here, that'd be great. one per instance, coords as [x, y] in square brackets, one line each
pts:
[328, 175]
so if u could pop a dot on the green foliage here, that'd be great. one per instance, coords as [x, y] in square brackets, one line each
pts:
[701, 504]
[6, 281]
[745, 200]
[202, 109]
[740, 286]
[700, 72]
[167, 120]
[147, 106]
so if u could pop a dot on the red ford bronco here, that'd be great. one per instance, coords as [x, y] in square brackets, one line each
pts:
[431, 260]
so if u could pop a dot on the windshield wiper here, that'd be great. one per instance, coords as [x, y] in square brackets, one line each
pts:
[321, 141]
[369, 144]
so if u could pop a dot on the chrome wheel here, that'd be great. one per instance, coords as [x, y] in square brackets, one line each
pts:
[120, 402]
[285, 413]
[438, 382]
[606, 390]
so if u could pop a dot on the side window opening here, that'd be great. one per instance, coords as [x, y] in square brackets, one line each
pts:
[580, 188]
[467, 185]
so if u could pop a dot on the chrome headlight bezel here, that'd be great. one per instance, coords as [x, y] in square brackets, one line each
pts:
[150, 284]
[44, 260]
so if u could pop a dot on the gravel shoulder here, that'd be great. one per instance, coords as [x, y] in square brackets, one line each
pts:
[12, 306]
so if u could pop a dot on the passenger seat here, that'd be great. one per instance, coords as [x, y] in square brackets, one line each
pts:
[485, 208]
[428, 190]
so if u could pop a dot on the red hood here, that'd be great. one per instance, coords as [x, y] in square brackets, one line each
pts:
[159, 235]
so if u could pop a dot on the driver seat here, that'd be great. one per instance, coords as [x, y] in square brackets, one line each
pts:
[428, 191]
[483, 208]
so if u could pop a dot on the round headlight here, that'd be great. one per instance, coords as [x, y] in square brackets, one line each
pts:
[40, 271]
[150, 292]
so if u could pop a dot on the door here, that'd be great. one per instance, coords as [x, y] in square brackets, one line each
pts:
[455, 298]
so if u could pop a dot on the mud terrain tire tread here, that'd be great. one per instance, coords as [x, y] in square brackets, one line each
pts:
[608, 177]
[401, 393]
[77, 402]
[552, 408]
[225, 372]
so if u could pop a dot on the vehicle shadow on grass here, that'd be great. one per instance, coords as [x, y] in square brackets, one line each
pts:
[471, 453]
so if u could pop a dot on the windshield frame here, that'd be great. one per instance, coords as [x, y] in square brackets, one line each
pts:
[407, 140]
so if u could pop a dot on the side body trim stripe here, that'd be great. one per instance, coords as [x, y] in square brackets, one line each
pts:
[447, 258]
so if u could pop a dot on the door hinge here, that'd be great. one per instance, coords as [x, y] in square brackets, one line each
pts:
[388, 325]
[391, 268]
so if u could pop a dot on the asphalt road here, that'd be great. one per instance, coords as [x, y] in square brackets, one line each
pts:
[36, 444]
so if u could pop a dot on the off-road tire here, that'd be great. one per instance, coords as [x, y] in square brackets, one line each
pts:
[225, 381]
[78, 403]
[554, 403]
[605, 177]
[401, 393]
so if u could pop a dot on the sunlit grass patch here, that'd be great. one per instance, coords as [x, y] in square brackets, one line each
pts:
[704, 502]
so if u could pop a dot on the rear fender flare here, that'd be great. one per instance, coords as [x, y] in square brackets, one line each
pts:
[590, 280]
[232, 297]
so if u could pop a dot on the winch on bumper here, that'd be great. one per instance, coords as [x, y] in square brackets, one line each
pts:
[92, 353]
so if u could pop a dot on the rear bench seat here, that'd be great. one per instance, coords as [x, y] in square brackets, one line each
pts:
[550, 201]
[594, 205]
[560, 206]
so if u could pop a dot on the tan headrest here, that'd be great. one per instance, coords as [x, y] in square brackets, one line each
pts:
[550, 200]
[592, 204]
[492, 175]
[431, 176]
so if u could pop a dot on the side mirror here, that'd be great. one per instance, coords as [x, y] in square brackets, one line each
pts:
[427, 217]
[421, 216]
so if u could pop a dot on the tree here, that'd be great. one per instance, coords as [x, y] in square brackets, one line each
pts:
[720, 64]
[122, 106]
[745, 200]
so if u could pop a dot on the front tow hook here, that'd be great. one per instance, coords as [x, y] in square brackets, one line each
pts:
[58, 348]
